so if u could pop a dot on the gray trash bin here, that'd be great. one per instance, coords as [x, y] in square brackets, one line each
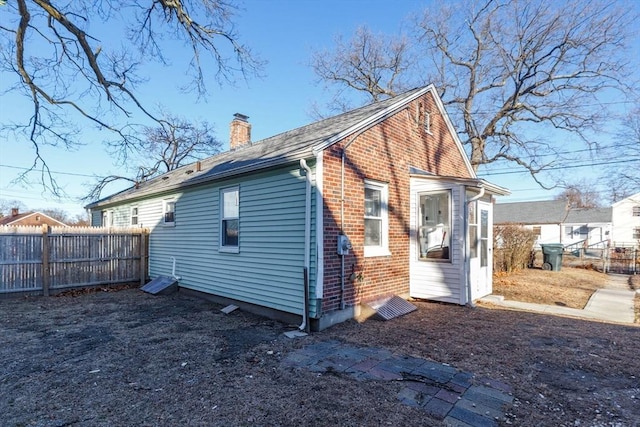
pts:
[552, 256]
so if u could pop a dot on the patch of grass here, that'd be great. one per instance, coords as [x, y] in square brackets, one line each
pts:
[569, 287]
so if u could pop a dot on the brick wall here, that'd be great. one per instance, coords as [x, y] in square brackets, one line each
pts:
[383, 153]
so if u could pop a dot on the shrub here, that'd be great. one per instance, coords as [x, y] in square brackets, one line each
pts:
[513, 247]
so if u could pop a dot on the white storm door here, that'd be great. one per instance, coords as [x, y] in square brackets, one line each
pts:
[485, 250]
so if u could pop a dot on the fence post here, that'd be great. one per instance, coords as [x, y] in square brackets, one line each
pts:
[143, 257]
[46, 249]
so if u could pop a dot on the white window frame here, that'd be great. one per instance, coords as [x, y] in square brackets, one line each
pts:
[222, 246]
[165, 209]
[136, 215]
[383, 248]
[448, 226]
[635, 211]
[107, 218]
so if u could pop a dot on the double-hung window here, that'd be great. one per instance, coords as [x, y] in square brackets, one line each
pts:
[229, 219]
[107, 218]
[636, 211]
[134, 215]
[169, 212]
[376, 219]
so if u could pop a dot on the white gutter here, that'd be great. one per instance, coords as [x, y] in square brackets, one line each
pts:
[307, 244]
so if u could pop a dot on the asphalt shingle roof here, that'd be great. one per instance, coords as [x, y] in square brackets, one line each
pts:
[284, 148]
[548, 212]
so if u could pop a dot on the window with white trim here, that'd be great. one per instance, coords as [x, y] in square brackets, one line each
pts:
[229, 219]
[636, 211]
[169, 212]
[636, 233]
[434, 231]
[376, 219]
[107, 218]
[134, 215]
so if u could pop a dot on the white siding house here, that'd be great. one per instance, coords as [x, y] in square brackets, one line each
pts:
[626, 221]
[554, 221]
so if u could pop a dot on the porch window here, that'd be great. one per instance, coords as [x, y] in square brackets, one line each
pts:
[169, 212]
[229, 219]
[376, 219]
[434, 226]
[473, 231]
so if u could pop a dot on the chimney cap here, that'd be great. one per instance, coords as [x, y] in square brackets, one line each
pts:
[240, 116]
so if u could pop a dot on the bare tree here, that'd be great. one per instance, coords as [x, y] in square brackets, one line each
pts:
[73, 70]
[173, 143]
[581, 194]
[623, 177]
[6, 206]
[368, 64]
[509, 71]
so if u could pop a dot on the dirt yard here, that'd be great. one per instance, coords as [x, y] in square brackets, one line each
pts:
[127, 358]
[575, 287]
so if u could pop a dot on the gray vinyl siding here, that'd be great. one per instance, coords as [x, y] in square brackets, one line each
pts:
[267, 270]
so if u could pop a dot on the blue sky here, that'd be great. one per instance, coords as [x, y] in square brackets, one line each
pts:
[283, 32]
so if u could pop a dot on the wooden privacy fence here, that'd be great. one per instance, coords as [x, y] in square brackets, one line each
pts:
[49, 259]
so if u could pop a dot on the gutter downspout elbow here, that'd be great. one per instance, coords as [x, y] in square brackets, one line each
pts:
[307, 245]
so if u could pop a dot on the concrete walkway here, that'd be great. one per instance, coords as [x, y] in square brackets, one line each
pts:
[457, 398]
[613, 303]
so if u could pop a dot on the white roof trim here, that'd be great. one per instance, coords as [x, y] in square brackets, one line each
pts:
[371, 120]
[452, 130]
[38, 213]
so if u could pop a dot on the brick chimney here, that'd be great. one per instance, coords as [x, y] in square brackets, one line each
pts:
[240, 131]
[15, 211]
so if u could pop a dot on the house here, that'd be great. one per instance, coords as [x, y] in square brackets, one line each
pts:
[554, 221]
[29, 219]
[626, 222]
[310, 224]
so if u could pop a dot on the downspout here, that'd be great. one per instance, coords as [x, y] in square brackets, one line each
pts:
[307, 245]
[173, 269]
[343, 161]
[467, 246]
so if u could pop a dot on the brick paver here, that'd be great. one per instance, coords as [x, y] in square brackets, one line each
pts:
[442, 391]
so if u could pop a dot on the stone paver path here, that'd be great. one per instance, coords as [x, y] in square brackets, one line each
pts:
[444, 392]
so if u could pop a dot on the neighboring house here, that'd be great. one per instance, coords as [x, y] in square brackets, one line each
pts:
[626, 221]
[29, 219]
[309, 224]
[553, 221]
